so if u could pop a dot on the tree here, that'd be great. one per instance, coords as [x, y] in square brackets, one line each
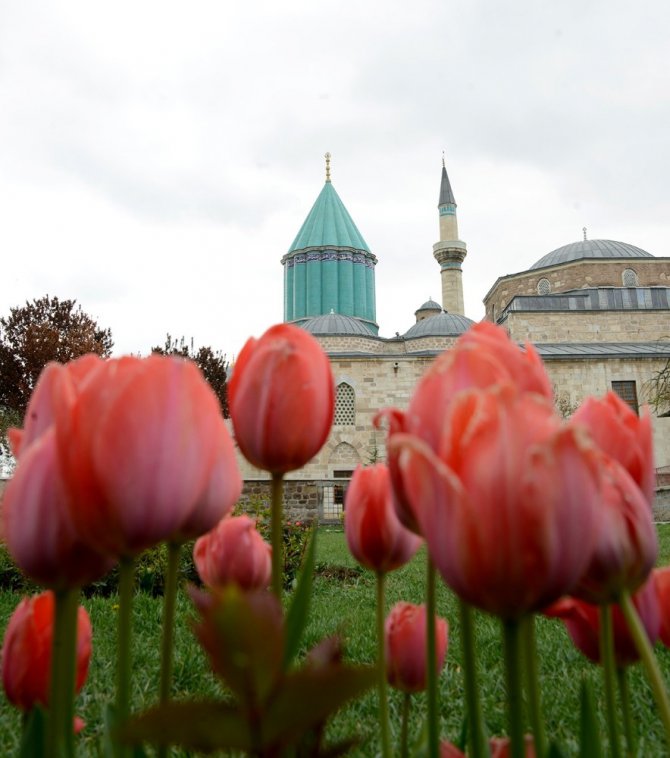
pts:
[213, 365]
[45, 330]
[657, 389]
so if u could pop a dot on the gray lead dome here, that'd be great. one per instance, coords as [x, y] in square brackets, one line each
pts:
[442, 325]
[590, 249]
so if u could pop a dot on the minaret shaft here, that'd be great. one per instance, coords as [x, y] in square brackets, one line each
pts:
[450, 251]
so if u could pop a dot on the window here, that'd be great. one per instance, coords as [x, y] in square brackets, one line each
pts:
[345, 407]
[627, 391]
[629, 278]
[543, 287]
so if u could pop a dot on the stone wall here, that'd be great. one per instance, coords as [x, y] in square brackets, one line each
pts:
[581, 273]
[588, 326]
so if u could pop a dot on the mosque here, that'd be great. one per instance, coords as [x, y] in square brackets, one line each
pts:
[596, 311]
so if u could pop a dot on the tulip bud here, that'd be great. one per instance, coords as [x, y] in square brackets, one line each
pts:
[234, 553]
[405, 646]
[281, 399]
[26, 651]
[375, 536]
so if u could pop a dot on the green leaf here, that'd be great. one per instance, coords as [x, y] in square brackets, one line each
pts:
[589, 735]
[243, 634]
[296, 619]
[555, 751]
[204, 726]
[309, 696]
[33, 739]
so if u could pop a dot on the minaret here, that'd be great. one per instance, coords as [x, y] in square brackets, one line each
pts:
[449, 251]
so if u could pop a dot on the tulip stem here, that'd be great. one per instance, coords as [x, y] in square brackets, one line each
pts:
[60, 741]
[277, 527]
[624, 692]
[533, 685]
[124, 662]
[431, 664]
[404, 728]
[476, 737]
[648, 658]
[609, 681]
[512, 637]
[381, 668]
[169, 602]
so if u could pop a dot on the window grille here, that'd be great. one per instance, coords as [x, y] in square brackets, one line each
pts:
[627, 391]
[345, 408]
[629, 278]
[543, 287]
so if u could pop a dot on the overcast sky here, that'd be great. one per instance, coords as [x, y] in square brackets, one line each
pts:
[157, 159]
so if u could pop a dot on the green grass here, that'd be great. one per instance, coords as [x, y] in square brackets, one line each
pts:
[343, 602]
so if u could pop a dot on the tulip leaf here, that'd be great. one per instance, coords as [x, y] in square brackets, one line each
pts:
[296, 619]
[243, 634]
[589, 736]
[33, 739]
[555, 751]
[204, 726]
[309, 696]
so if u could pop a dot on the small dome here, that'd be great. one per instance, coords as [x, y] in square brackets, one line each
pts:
[334, 323]
[442, 325]
[429, 305]
[590, 249]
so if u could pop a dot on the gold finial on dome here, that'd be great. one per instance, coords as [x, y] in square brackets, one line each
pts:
[443, 166]
[327, 157]
[584, 230]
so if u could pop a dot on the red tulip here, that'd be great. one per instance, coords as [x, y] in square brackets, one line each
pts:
[662, 580]
[582, 621]
[145, 454]
[281, 399]
[405, 646]
[500, 747]
[375, 536]
[234, 553]
[626, 545]
[622, 435]
[507, 509]
[26, 651]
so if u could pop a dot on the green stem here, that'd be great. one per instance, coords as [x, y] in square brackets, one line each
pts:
[404, 729]
[624, 693]
[431, 665]
[476, 736]
[169, 602]
[60, 736]
[381, 669]
[512, 638]
[276, 526]
[124, 658]
[609, 669]
[533, 685]
[648, 658]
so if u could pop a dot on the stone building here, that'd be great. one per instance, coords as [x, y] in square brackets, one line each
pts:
[596, 311]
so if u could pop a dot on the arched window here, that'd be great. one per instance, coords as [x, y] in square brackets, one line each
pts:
[543, 287]
[629, 278]
[345, 405]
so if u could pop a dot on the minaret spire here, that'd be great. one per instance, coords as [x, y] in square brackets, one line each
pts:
[449, 251]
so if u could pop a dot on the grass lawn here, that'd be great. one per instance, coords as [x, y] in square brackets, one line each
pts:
[344, 601]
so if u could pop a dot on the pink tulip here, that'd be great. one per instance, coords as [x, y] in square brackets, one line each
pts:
[507, 508]
[405, 646]
[622, 435]
[662, 580]
[582, 621]
[281, 399]
[26, 651]
[234, 553]
[375, 536]
[499, 747]
[626, 545]
[37, 527]
[145, 454]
